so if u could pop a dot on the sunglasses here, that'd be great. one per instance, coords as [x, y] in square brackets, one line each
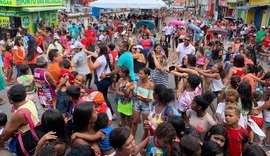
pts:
[187, 39]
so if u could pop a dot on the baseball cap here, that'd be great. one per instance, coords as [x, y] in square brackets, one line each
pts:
[76, 45]
[96, 97]
[266, 76]
[138, 46]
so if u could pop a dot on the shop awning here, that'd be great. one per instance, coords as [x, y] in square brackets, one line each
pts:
[248, 7]
[39, 9]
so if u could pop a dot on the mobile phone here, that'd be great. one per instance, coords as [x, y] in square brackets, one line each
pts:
[171, 68]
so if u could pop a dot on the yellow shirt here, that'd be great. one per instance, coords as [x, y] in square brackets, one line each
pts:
[34, 115]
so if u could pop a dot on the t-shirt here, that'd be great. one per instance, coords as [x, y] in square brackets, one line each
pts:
[114, 54]
[201, 124]
[184, 51]
[74, 32]
[260, 34]
[236, 140]
[184, 101]
[126, 60]
[160, 77]
[104, 66]
[80, 62]
[65, 72]
[54, 69]
[7, 60]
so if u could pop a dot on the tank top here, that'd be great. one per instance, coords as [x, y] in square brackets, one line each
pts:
[31, 107]
[45, 91]
[104, 143]
[216, 85]
[123, 99]
[153, 149]
[155, 118]
[239, 72]
[138, 66]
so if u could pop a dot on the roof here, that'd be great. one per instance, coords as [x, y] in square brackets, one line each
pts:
[40, 9]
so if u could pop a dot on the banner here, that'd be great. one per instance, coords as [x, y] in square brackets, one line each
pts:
[53, 18]
[4, 21]
[21, 3]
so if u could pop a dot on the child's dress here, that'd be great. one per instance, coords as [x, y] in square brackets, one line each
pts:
[124, 103]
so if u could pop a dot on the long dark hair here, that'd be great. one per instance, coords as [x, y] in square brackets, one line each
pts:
[17, 41]
[82, 114]
[104, 51]
[245, 93]
[217, 130]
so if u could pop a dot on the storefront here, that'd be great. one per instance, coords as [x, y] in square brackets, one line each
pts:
[27, 13]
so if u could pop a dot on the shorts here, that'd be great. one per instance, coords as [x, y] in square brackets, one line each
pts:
[217, 93]
[141, 106]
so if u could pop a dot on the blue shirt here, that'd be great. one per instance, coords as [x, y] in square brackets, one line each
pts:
[104, 143]
[74, 32]
[126, 60]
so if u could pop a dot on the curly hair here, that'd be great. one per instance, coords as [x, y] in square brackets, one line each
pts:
[166, 131]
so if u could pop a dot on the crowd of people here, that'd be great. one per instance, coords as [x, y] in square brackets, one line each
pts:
[56, 109]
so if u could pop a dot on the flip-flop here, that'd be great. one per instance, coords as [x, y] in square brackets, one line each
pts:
[2, 101]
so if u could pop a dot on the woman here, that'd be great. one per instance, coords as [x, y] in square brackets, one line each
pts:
[214, 58]
[84, 118]
[40, 40]
[63, 38]
[122, 141]
[236, 70]
[146, 43]
[53, 124]
[160, 55]
[159, 74]
[138, 57]
[102, 66]
[45, 83]
[249, 69]
[18, 54]
[56, 45]
[165, 46]
[8, 39]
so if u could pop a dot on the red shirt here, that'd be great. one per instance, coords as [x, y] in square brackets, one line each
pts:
[85, 42]
[7, 60]
[91, 35]
[65, 72]
[114, 54]
[236, 140]
[265, 42]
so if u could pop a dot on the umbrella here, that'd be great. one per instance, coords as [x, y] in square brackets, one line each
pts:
[194, 27]
[176, 22]
[218, 30]
[149, 24]
[230, 18]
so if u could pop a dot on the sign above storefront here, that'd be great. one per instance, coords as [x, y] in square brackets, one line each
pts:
[23, 3]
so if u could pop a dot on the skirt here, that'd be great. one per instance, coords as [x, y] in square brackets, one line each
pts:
[125, 109]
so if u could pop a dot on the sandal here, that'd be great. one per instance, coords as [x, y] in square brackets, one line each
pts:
[2, 101]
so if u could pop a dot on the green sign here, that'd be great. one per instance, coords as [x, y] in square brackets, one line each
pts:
[19, 3]
[26, 21]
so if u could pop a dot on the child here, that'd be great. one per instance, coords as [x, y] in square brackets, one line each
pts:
[228, 55]
[102, 134]
[190, 145]
[197, 115]
[258, 118]
[66, 79]
[8, 64]
[114, 55]
[231, 98]
[200, 58]
[79, 81]
[238, 139]
[27, 80]
[99, 103]
[124, 88]
[234, 83]
[218, 134]
[217, 74]
[3, 121]
[160, 143]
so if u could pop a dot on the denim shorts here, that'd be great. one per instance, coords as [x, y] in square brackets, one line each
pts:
[141, 106]
[266, 123]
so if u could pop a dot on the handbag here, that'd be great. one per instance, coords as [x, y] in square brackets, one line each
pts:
[27, 142]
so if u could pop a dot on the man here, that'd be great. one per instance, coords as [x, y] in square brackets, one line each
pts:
[182, 50]
[54, 68]
[125, 60]
[90, 34]
[18, 122]
[80, 60]
[168, 32]
[260, 34]
[74, 31]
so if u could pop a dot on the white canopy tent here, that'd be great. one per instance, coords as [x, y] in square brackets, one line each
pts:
[129, 4]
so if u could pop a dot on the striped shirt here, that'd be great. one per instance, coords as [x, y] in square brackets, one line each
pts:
[160, 77]
[184, 101]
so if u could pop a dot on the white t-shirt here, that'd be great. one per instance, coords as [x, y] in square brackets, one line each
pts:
[103, 67]
[184, 51]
